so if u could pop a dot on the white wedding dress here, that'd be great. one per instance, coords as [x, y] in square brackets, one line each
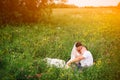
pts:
[55, 62]
[61, 63]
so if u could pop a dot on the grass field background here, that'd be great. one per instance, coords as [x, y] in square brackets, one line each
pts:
[22, 47]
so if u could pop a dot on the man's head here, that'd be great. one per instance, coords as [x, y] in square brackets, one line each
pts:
[78, 46]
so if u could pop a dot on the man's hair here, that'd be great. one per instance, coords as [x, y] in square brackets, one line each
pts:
[78, 44]
[86, 47]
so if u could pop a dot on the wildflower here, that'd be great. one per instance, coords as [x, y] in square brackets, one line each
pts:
[22, 69]
[58, 28]
[77, 32]
[98, 62]
[36, 27]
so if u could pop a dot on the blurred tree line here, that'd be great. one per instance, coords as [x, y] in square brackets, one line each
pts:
[62, 5]
[119, 5]
[24, 11]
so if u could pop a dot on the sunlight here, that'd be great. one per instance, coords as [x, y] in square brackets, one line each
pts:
[94, 2]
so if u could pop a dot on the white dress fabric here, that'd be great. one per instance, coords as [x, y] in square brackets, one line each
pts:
[55, 62]
[74, 52]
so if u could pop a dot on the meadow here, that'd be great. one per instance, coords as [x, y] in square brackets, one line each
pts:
[23, 47]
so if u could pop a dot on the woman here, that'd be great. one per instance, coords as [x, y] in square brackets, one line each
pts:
[76, 52]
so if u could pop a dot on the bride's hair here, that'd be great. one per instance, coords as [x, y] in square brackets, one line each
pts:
[78, 44]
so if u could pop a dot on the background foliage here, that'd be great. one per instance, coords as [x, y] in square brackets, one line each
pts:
[24, 11]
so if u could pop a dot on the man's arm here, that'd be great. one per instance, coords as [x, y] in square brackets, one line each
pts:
[75, 60]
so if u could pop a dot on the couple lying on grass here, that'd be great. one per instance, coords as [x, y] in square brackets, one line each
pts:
[79, 55]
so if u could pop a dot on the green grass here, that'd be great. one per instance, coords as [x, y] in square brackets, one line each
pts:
[22, 47]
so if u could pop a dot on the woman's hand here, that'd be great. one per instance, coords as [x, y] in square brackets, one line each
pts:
[69, 63]
[67, 66]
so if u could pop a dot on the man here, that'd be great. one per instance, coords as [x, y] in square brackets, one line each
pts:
[85, 59]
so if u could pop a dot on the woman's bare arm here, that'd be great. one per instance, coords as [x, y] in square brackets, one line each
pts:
[75, 60]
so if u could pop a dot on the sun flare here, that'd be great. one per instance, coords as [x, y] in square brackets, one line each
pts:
[94, 2]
